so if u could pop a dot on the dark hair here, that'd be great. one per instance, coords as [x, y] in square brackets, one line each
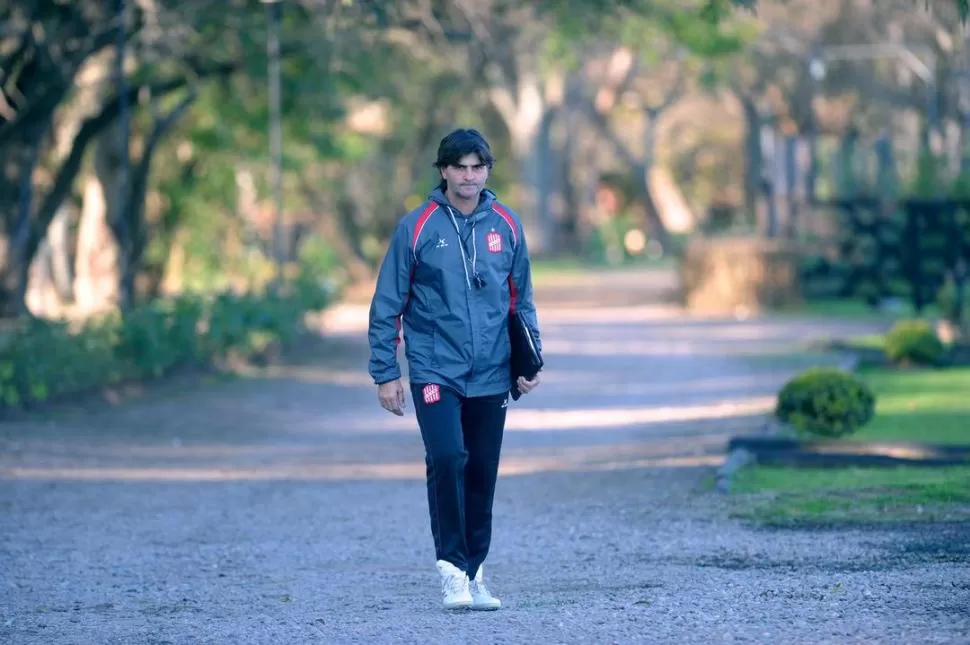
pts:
[463, 142]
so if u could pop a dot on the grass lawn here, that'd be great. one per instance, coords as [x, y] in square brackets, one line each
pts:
[868, 341]
[930, 406]
[853, 309]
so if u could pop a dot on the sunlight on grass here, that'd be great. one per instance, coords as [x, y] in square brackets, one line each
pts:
[851, 308]
[920, 405]
[931, 406]
[775, 496]
[869, 341]
[782, 480]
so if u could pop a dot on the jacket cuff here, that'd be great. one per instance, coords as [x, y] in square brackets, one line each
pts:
[387, 378]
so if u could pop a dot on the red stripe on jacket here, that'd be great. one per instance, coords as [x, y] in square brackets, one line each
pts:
[418, 227]
[513, 293]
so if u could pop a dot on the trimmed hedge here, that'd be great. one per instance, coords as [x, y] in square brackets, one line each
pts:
[914, 342]
[42, 360]
[826, 401]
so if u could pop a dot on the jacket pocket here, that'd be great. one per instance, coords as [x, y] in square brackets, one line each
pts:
[496, 347]
[419, 349]
[504, 342]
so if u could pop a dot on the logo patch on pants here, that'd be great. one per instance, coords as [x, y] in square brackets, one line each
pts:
[432, 393]
[494, 242]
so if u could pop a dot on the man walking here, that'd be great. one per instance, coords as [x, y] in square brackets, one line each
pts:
[455, 267]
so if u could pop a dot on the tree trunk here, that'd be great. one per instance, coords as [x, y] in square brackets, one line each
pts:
[42, 298]
[49, 282]
[564, 193]
[530, 159]
[523, 110]
[122, 194]
[549, 191]
[96, 266]
[655, 223]
[17, 197]
[13, 278]
[55, 252]
[10, 303]
[640, 167]
[586, 180]
[25, 227]
[752, 157]
[59, 241]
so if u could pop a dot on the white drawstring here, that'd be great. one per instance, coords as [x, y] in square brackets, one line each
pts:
[461, 247]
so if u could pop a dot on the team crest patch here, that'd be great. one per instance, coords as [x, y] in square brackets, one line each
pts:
[432, 393]
[494, 242]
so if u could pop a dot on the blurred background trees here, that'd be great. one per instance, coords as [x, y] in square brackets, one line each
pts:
[135, 133]
[136, 136]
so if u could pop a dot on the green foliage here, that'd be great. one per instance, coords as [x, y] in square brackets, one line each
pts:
[703, 38]
[952, 301]
[826, 402]
[914, 342]
[212, 174]
[717, 9]
[705, 28]
[41, 359]
[929, 179]
[906, 245]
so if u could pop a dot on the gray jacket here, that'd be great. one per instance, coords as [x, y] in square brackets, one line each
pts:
[455, 327]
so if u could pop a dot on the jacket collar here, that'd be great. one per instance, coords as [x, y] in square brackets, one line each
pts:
[485, 201]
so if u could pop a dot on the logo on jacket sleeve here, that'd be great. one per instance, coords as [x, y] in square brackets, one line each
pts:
[494, 242]
[432, 393]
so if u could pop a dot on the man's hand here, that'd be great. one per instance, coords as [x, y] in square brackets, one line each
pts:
[391, 396]
[527, 386]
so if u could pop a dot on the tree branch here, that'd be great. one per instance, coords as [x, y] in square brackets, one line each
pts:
[21, 230]
[91, 128]
[602, 125]
[669, 100]
[142, 170]
[623, 64]
[504, 102]
[14, 60]
[52, 96]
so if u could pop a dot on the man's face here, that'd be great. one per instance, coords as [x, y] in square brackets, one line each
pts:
[467, 178]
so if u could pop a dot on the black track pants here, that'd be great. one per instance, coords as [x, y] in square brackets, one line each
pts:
[462, 443]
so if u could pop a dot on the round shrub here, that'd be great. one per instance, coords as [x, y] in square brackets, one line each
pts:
[914, 342]
[826, 402]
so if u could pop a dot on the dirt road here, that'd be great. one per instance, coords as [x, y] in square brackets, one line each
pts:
[289, 508]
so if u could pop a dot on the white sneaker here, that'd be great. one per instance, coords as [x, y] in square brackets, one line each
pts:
[482, 600]
[454, 586]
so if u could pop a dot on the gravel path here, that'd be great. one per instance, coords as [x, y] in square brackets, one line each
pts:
[290, 508]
